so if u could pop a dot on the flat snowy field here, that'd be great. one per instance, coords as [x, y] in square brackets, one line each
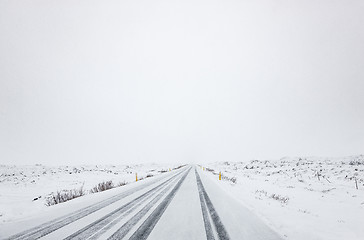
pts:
[24, 189]
[301, 198]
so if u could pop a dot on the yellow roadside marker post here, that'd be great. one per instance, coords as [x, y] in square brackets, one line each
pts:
[136, 177]
[220, 176]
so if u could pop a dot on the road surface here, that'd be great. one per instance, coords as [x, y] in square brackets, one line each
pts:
[184, 204]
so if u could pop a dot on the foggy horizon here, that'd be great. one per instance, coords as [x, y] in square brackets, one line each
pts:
[110, 82]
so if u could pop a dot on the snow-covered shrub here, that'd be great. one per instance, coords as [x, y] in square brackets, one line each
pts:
[180, 166]
[64, 196]
[210, 170]
[279, 198]
[102, 186]
[356, 162]
[121, 184]
[231, 179]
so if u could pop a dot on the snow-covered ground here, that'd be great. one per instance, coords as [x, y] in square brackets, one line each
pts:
[301, 198]
[24, 189]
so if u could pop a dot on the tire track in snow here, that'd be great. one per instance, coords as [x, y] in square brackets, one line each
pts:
[48, 227]
[100, 226]
[125, 228]
[206, 220]
[147, 226]
[220, 229]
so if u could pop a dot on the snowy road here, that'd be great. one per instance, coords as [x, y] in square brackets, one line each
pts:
[181, 205]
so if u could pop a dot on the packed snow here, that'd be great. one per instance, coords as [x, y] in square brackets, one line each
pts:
[24, 190]
[301, 198]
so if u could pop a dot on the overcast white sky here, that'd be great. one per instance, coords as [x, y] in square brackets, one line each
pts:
[121, 81]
